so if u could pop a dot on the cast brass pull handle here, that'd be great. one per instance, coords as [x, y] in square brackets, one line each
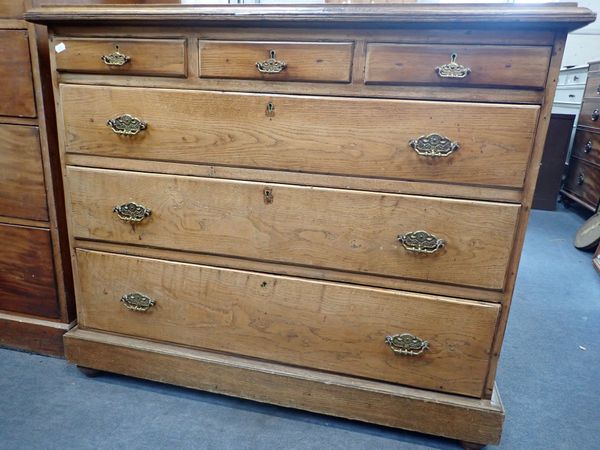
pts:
[595, 115]
[132, 212]
[453, 69]
[588, 146]
[135, 301]
[115, 58]
[421, 242]
[433, 145]
[580, 179]
[126, 125]
[598, 90]
[406, 344]
[271, 65]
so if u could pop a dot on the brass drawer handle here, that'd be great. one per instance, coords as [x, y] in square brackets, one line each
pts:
[126, 125]
[406, 344]
[433, 144]
[132, 212]
[135, 301]
[580, 179]
[271, 65]
[421, 242]
[453, 69]
[595, 115]
[115, 58]
[588, 146]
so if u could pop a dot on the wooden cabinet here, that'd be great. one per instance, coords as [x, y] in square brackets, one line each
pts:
[327, 215]
[36, 295]
[582, 183]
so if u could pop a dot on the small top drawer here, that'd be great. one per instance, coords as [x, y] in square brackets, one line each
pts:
[466, 65]
[279, 61]
[157, 57]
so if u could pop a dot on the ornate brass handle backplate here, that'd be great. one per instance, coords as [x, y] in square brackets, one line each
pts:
[137, 302]
[115, 58]
[596, 115]
[588, 146]
[271, 65]
[132, 212]
[421, 242]
[433, 145]
[126, 125]
[453, 69]
[580, 179]
[406, 344]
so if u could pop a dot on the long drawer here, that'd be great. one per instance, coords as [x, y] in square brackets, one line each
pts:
[328, 326]
[590, 114]
[586, 146]
[583, 181]
[27, 283]
[465, 242]
[478, 144]
[22, 189]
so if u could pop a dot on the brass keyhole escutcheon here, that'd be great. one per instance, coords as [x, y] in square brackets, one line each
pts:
[268, 195]
[270, 109]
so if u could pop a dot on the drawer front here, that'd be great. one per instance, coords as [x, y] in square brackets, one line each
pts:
[583, 181]
[592, 88]
[329, 228]
[459, 65]
[308, 134]
[590, 114]
[27, 283]
[586, 146]
[22, 190]
[158, 57]
[328, 326]
[569, 95]
[16, 79]
[577, 77]
[278, 61]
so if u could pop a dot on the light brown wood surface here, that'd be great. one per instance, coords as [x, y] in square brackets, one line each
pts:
[382, 403]
[22, 188]
[490, 65]
[337, 229]
[305, 61]
[12, 8]
[326, 326]
[158, 57]
[16, 93]
[27, 282]
[590, 108]
[307, 134]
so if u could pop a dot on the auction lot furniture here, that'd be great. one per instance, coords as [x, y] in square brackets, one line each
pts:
[582, 184]
[320, 207]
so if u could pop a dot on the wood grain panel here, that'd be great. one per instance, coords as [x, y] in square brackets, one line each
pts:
[326, 326]
[590, 114]
[306, 61]
[22, 189]
[16, 94]
[158, 57]
[583, 182]
[27, 283]
[586, 146]
[491, 65]
[12, 8]
[306, 134]
[329, 228]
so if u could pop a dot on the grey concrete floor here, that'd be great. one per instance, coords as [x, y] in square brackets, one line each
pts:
[549, 379]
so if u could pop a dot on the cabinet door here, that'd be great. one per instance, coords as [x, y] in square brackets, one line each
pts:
[16, 80]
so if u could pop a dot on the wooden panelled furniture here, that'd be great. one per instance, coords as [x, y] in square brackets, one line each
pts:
[36, 294]
[320, 207]
[582, 184]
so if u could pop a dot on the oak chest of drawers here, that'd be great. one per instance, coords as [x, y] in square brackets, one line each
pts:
[319, 207]
[582, 183]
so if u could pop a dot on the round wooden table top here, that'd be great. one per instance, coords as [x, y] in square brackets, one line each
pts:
[588, 235]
